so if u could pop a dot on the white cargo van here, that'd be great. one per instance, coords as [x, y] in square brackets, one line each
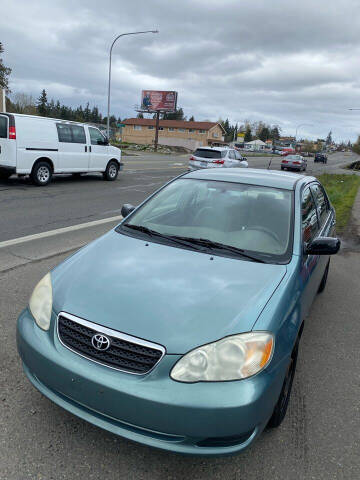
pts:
[41, 147]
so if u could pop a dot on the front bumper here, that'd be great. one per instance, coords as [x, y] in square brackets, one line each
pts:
[203, 418]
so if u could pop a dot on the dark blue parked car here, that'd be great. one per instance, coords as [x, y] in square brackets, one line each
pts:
[180, 328]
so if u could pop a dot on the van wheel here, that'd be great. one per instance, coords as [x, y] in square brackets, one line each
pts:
[282, 404]
[111, 171]
[4, 175]
[41, 174]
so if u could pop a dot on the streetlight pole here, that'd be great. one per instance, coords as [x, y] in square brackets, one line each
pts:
[112, 45]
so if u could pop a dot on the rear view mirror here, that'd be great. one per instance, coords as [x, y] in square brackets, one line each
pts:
[323, 246]
[126, 209]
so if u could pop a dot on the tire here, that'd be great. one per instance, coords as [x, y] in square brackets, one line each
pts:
[281, 406]
[5, 175]
[111, 171]
[41, 174]
[282, 168]
[324, 279]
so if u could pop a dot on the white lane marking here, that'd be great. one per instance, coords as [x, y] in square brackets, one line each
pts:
[58, 231]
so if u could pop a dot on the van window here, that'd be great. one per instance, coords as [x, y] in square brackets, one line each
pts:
[78, 134]
[95, 136]
[71, 133]
[3, 127]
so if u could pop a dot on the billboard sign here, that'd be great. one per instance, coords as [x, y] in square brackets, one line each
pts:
[153, 100]
[240, 137]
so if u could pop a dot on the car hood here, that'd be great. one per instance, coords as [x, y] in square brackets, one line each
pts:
[172, 296]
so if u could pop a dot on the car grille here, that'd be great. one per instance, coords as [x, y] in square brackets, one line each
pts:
[133, 356]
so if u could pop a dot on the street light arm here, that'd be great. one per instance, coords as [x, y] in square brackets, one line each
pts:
[109, 81]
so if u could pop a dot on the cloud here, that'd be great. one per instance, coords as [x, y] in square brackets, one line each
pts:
[283, 62]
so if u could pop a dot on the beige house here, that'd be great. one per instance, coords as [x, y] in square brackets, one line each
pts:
[2, 100]
[173, 132]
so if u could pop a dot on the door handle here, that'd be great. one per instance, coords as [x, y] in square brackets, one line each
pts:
[90, 148]
[85, 148]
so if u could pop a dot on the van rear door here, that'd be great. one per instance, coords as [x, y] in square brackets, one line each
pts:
[7, 145]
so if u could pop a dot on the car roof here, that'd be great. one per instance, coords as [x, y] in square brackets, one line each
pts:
[251, 176]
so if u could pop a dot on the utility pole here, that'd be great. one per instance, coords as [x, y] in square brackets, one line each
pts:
[157, 130]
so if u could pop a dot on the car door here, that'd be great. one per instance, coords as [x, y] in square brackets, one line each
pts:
[99, 150]
[231, 159]
[7, 154]
[73, 149]
[310, 263]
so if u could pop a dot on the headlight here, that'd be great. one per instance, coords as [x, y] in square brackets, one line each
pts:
[41, 302]
[231, 358]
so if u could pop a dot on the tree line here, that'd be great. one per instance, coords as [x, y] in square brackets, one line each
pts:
[23, 103]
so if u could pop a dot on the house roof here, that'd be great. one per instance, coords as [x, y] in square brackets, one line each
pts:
[256, 142]
[171, 123]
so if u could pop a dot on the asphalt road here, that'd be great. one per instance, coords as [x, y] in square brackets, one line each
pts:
[26, 209]
[319, 438]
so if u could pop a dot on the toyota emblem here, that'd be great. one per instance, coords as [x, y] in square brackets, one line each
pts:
[100, 342]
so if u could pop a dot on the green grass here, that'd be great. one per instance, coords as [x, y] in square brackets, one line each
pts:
[342, 190]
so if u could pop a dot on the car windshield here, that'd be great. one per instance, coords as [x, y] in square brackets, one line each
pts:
[254, 219]
[294, 157]
[204, 153]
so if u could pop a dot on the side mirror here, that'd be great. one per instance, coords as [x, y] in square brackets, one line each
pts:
[126, 209]
[323, 246]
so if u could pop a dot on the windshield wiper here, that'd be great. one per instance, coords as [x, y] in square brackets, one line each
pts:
[174, 239]
[220, 246]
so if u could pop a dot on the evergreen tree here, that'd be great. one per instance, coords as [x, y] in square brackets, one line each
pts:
[264, 133]
[51, 108]
[275, 134]
[140, 115]
[42, 104]
[247, 136]
[329, 138]
[4, 71]
[87, 113]
[192, 119]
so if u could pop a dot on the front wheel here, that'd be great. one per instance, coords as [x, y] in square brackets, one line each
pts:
[111, 171]
[282, 404]
[41, 174]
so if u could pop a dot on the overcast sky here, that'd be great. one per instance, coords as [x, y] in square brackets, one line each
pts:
[282, 61]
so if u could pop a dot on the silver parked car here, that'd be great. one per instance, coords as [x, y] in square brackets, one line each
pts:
[215, 157]
[294, 162]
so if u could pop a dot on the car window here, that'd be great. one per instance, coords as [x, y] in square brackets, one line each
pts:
[64, 133]
[205, 153]
[310, 225]
[95, 136]
[71, 133]
[249, 217]
[321, 203]
[237, 155]
[3, 127]
[78, 134]
[232, 154]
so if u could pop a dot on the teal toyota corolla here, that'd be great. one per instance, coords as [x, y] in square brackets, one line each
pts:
[180, 328]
